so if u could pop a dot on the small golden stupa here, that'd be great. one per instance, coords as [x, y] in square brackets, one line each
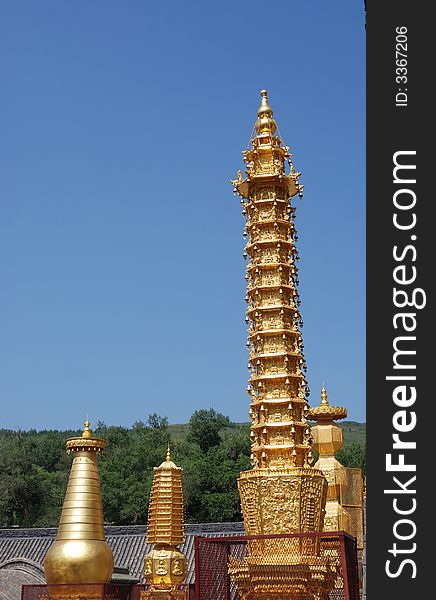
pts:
[165, 567]
[80, 554]
[344, 506]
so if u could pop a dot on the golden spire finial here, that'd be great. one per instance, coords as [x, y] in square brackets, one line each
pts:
[264, 108]
[325, 412]
[265, 122]
[168, 458]
[324, 401]
[264, 156]
[87, 430]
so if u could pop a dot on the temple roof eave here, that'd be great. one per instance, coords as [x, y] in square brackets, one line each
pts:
[259, 355]
[274, 377]
[268, 332]
[270, 265]
[286, 446]
[277, 424]
[332, 413]
[276, 401]
[272, 286]
[242, 186]
[274, 307]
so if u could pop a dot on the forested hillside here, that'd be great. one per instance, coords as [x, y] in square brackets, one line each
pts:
[34, 468]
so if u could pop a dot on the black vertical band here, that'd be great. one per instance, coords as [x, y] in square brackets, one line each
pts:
[400, 328]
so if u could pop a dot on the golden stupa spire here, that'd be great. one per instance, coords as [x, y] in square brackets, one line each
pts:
[325, 412]
[165, 565]
[87, 429]
[345, 485]
[327, 437]
[265, 122]
[324, 400]
[80, 554]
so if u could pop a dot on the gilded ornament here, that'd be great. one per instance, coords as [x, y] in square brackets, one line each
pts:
[165, 567]
[80, 554]
[344, 507]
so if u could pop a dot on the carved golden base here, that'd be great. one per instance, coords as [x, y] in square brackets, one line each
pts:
[273, 578]
[282, 500]
[164, 594]
[165, 566]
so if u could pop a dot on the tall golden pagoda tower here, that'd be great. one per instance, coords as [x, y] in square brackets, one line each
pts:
[80, 554]
[282, 493]
[165, 567]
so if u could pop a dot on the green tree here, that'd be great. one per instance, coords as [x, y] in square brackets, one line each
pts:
[205, 427]
[210, 478]
[126, 468]
[353, 455]
[25, 485]
[34, 469]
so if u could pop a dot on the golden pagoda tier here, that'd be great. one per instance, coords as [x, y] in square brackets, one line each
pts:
[165, 567]
[80, 555]
[282, 493]
[344, 506]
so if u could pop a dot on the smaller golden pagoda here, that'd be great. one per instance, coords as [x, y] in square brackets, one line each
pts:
[165, 567]
[80, 555]
[344, 506]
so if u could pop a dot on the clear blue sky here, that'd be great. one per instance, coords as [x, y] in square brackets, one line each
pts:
[122, 277]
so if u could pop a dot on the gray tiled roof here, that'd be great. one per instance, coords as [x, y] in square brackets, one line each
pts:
[128, 543]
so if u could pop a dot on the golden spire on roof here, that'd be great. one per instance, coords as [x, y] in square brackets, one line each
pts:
[324, 400]
[265, 122]
[326, 412]
[265, 156]
[87, 430]
[264, 108]
[345, 484]
[80, 554]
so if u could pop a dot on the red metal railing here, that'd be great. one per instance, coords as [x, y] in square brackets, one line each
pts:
[290, 561]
